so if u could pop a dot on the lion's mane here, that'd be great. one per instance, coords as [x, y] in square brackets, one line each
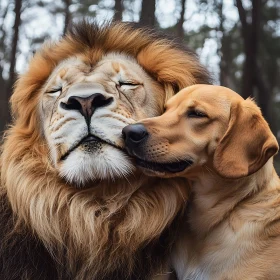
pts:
[111, 230]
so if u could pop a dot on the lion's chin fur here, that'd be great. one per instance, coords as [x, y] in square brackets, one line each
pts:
[94, 231]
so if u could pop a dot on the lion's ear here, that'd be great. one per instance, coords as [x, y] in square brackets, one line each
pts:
[247, 144]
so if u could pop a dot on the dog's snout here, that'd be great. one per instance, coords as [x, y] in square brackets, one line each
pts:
[86, 105]
[134, 134]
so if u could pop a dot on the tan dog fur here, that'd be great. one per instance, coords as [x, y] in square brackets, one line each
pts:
[233, 225]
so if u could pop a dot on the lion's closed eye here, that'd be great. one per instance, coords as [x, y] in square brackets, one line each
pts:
[55, 91]
[129, 85]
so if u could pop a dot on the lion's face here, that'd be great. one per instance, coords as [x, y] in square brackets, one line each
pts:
[84, 109]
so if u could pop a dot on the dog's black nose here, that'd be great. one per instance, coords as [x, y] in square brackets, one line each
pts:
[134, 134]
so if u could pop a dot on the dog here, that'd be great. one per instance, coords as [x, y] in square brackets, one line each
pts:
[224, 147]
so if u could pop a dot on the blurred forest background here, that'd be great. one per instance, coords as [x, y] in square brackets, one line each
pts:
[237, 40]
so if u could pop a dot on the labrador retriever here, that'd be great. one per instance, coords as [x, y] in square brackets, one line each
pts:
[224, 147]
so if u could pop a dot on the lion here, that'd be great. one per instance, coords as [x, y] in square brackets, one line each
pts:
[73, 204]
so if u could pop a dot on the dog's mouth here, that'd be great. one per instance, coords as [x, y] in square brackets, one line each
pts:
[90, 140]
[170, 167]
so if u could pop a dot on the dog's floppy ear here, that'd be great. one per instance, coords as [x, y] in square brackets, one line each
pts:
[247, 144]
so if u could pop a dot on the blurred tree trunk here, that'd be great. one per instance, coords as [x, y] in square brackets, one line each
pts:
[250, 39]
[12, 73]
[4, 104]
[226, 66]
[118, 10]
[67, 18]
[180, 28]
[222, 51]
[249, 51]
[147, 16]
[253, 77]
[13, 57]
[2, 49]
[4, 111]
[2, 29]
[264, 93]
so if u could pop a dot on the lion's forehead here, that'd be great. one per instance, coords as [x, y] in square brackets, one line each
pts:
[110, 68]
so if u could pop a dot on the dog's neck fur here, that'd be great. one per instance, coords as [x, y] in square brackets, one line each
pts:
[214, 198]
[230, 222]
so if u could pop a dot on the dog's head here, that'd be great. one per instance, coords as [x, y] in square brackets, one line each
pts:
[203, 126]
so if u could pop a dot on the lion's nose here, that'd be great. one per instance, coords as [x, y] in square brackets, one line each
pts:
[86, 105]
[134, 134]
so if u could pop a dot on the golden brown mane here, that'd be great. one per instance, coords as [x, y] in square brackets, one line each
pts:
[97, 230]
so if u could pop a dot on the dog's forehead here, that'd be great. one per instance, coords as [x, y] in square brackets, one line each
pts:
[207, 94]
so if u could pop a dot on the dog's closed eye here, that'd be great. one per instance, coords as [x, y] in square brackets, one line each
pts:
[194, 113]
